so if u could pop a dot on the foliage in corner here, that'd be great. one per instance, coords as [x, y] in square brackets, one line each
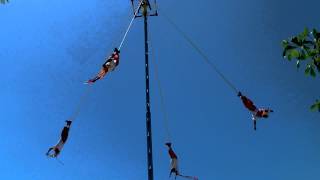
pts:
[316, 106]
[4, 1]
[305, 48]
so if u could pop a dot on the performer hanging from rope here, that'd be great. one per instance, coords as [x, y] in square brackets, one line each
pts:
[174, 163]
[260, 113]
[111, 63]
[256, 113]
[63, 139]
[174, 160]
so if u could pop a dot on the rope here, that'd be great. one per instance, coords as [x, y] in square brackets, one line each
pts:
[81, 102]
[59, 161]
[163, 107]
[206, 59]
[130, 24]
[85, 95]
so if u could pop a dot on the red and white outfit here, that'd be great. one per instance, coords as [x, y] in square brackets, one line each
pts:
[112, 61]
[174, 161]
[260, 113]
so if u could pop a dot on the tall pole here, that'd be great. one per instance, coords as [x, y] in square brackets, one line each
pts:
[148, 112]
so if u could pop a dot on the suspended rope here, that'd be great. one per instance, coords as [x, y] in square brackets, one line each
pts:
[55, 150]
[130, 24]
[256, 112]
[85, 95]
[59, 161]
[165, 117]
[206, 59]
[64, 134]
[81, 102]
[163, 107]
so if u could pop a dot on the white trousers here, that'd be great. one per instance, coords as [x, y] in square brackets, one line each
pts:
[174, 164]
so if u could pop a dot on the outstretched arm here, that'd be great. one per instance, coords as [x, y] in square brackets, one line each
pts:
[50, 149]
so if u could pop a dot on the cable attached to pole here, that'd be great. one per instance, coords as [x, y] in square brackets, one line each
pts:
[206, 59]
[130, 24]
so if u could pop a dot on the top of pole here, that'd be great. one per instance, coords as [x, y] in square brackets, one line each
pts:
[145, 4]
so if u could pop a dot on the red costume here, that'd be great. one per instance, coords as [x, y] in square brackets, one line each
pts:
[172, 154]
[256, 113]
[248, 103]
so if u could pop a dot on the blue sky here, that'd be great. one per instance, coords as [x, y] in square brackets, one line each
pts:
[49, 48]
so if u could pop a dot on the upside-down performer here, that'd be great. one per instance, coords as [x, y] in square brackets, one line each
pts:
[55, 150]
[257, 113]
[174, 164]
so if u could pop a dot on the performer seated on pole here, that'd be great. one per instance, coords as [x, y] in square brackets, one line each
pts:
[111, 63]
[63, 139]
[257, 113]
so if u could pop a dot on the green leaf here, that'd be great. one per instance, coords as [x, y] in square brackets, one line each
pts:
[307, 70]
[313, 52]
[303, 55]
[315, 106]
[294, 53]
[316, 63]
[314, 31]
[286, 50]
[289, 57]
[296, 40]
[305, 32]
[316, 34]
[302, 36]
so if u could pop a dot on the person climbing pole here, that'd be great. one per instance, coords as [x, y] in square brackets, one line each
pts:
[257, 113]
[111, 63]
[63, 139]
[174, 163]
